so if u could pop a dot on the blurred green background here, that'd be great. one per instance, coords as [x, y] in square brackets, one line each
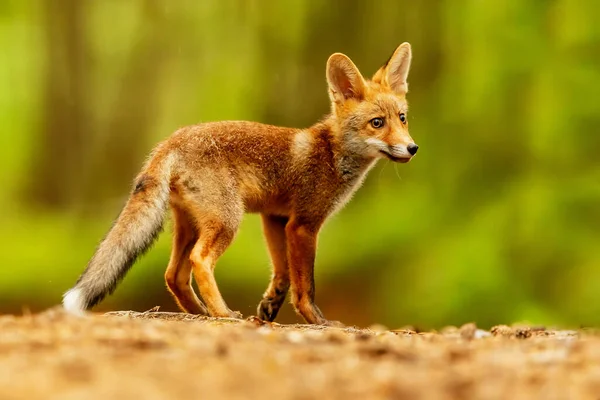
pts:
[497, 220]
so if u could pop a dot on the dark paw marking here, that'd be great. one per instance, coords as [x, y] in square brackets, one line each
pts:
[267, 310]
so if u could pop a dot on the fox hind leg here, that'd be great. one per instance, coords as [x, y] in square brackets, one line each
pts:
[215, 236]
[179, 271]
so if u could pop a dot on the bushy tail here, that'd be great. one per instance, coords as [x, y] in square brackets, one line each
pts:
[134, 231]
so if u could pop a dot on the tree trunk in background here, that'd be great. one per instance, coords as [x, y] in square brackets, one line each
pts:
[55, 173]
[295, 68]
[132, 115]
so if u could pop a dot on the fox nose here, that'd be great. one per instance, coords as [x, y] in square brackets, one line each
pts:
[412, 149]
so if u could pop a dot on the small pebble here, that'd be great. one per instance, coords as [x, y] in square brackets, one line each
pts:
[467, 331]
[502, 330]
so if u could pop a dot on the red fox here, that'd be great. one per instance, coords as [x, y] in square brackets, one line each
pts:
[212, 173]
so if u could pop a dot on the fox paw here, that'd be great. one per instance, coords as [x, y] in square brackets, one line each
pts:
[267, 310]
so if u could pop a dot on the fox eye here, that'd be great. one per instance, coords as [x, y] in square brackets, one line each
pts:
[377, 123]
[403, 118]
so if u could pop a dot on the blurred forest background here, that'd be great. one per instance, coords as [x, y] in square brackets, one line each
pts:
[497, 220]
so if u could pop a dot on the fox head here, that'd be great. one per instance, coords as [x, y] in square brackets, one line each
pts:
[373, 113]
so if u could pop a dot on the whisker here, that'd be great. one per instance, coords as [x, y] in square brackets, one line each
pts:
[381, 170]
[397, 173]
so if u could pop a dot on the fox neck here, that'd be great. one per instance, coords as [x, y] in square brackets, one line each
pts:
[351, 155]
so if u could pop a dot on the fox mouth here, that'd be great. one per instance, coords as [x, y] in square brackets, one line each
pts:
[394, 158]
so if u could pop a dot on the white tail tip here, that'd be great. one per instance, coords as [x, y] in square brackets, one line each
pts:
[74, 302]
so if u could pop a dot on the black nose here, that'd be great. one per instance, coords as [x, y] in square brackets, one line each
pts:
[412, 149]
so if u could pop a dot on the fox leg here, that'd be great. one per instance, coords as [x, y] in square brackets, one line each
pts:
[178, 274]
[301, 243]
[274, 229]
[215, 237]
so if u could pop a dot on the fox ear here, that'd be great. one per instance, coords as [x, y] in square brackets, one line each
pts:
[395, 71]
[344, 79]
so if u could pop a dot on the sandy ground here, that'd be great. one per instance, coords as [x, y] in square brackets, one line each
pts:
[157, 355]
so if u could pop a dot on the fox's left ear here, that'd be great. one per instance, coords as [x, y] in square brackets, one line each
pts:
[395, 71]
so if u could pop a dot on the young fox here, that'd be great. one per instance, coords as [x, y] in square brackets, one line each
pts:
[211, 174]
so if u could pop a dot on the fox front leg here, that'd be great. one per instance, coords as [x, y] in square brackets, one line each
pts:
[274, 230]
[301, 243]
